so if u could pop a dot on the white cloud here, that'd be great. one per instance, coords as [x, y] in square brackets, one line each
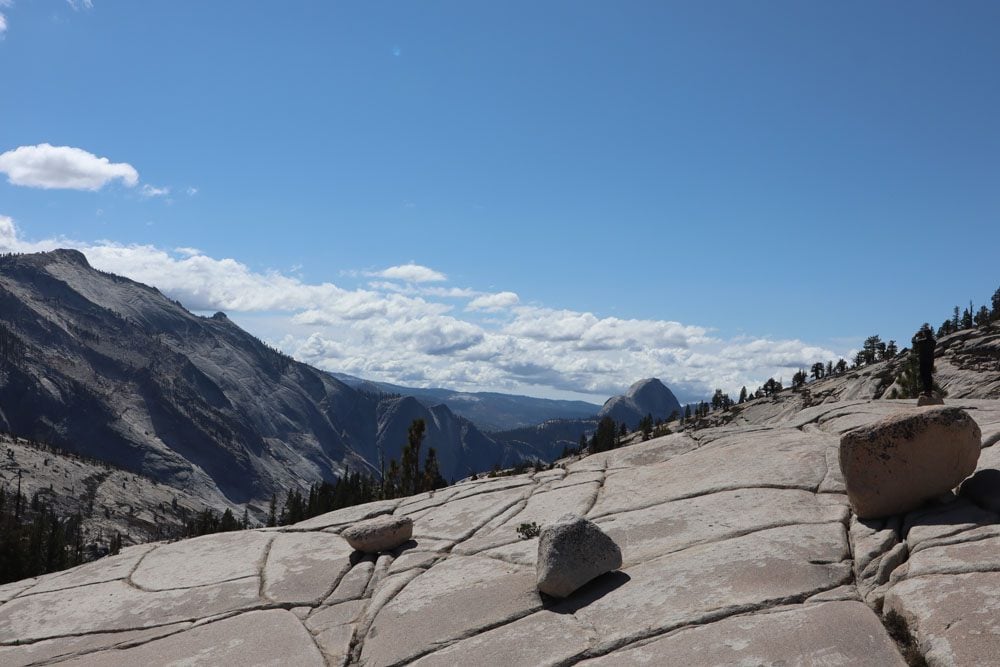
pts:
[191, 191]
[411, 273]
[47, 166]
[419, 338]
[77, 5]
[3, 19]
[148, 190]
[493, 302]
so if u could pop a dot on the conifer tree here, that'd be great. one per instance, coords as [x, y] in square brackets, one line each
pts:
[272, 512]
[411, 457]
[432, 474]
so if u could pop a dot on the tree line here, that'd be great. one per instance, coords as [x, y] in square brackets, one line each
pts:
[33, 540]
[399, 479]
[970, 317]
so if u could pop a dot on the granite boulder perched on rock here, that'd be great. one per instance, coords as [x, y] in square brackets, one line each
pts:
[897, 463]
[383, 533]
[571, 552]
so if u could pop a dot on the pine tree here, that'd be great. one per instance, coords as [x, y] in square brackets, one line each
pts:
[228, 522]
[411, 457]
[605, 437]
[982, 317]
[646, 426]
[272, 512]
[967, 317]
[432, 474]
[391, 484]
[743, 395]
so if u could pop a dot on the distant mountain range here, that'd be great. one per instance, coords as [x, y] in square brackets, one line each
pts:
[489, 411]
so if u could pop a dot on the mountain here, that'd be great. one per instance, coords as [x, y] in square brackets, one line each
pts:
[645, 397]
[108, 500]
[107, 367]
[489, 411]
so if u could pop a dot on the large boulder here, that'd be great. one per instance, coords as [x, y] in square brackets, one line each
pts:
[383, 533]
[571, 552]
[898, 463]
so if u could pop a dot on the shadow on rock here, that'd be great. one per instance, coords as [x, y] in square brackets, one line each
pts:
[358, 556]
[404, 547]
[582, 597]
[983, 489]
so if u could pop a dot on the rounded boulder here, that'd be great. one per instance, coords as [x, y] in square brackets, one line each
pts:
[900, 462]
[571, 552]
[383, 533]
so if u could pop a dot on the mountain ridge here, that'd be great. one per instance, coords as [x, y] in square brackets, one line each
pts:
[114, 369]
[490, 411]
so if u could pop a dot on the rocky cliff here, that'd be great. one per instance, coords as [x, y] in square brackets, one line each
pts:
[113, 369]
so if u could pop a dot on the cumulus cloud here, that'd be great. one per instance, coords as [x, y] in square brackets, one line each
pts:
[77, 5]
[411, 273]
[411, 336]
[493, 302]
[47, 166]
[3, 24]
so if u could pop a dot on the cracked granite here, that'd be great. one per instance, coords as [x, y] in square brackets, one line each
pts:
[739, 547]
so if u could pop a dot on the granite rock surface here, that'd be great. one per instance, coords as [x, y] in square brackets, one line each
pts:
[738, 547]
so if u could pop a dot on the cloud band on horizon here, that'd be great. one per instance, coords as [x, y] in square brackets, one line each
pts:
[402, 331]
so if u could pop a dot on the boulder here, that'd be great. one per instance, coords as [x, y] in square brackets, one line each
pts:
[571, 552]
[933, 399]
[897, 463]
[382, 533]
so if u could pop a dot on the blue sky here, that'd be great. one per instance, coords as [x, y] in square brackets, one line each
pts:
[707, 192]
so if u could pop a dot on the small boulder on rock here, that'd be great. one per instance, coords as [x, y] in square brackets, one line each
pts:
[929, 399]
[383, 533]
[571, 552]
[898, 463]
